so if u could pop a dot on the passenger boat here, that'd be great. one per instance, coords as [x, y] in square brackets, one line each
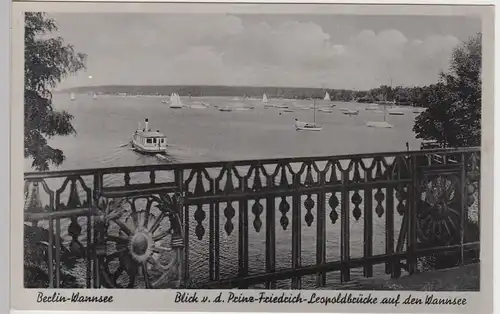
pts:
[149, 142]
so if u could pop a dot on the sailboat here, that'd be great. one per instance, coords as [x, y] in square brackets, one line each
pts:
[349, 112]
[380, 124]
[327, 96]
[265, 102]
[175, 101]
[394, 111]
[72, 96]
[198, 105]
[308, 126]
[264, 99]
[95, 96]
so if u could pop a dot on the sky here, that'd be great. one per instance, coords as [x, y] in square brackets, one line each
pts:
[324, 51]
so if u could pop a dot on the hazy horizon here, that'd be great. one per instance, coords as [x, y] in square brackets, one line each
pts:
[249, 50]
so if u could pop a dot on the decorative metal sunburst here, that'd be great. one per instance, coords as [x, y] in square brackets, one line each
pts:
[139, 253]
[439, 210]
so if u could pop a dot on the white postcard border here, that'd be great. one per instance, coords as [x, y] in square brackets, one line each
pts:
[145, 300]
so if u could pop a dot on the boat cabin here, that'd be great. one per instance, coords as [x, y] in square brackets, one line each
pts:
[150, 138]
[147, 141]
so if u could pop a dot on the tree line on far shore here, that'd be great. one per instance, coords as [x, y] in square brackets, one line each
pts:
[404, 96]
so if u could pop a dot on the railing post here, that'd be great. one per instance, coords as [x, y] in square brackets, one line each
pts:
[389, 230]
[90, 250]
[50, 263]
[57, 244]
[345, 226]
[368, 227]
[97, 225]
[211, 262]
[214, 233]
[413, 198]
[321, 231]
[296, 229]
[270, 236]
[243, 233]
[463, 205]
[184, 216]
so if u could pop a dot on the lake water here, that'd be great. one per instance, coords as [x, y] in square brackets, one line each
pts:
[105, 125]
[208, 134]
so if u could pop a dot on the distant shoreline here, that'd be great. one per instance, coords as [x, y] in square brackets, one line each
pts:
[254, 98]
[201, 90]
[400, 94]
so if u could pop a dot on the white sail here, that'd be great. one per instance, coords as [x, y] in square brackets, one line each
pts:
[327, 96]
[95, 96]
[175, 101]
[264, 99]
[72, 96]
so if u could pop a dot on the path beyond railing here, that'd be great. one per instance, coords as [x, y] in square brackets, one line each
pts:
[275, 223]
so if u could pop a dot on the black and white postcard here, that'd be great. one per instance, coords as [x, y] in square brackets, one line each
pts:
[252, 157]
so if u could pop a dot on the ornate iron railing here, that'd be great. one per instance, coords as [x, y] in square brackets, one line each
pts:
[183, 225]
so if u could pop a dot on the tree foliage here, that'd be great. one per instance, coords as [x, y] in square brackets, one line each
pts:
[453, 117]
[47, 61]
